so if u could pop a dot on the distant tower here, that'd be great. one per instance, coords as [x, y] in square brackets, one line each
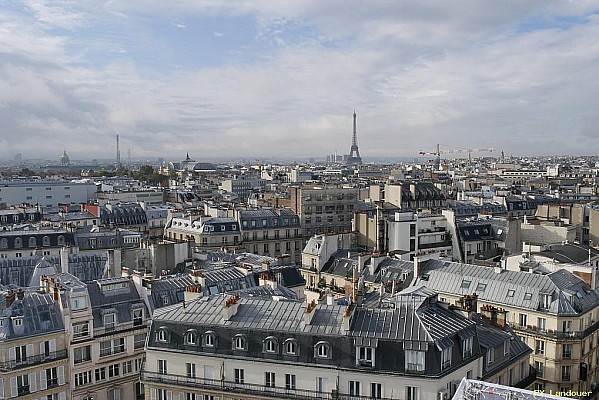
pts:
[64, 160]
[354, 154]
[118, 152]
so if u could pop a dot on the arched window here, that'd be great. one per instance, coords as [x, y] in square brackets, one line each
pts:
[18, 243]
[322, 350]
[290, 347]
[3, 243]
[60, 240]
[46, 241]
[270, 345]
[162, 335]
[240, 342]
[209, 339]
[32, 242]
[191, 337]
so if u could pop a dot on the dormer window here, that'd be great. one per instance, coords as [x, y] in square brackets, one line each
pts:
[209, 339]
[467, 347]
[240, 342]
[17, 321]
[291, 347]
[138, 317]
[270, 345]
[446, 358]
[322, 350]
[109, 321]
[191, 338]
[365, 356]
[162, 335]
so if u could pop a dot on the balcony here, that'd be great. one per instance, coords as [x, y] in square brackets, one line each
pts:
[116, 328]
[262, 391]
[33, 360]
[527, 381]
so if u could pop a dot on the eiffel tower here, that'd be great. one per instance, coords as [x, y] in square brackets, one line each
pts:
[354, 154]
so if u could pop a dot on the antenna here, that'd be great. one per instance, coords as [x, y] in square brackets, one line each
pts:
[118, 152]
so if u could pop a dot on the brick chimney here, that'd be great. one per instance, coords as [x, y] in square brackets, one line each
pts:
[309, 312]
[230, 307]
[10, 298]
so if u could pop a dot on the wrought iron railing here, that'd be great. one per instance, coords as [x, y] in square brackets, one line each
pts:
[33, 360]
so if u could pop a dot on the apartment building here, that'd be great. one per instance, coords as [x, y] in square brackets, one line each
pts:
[206, 233]
[46, 193]
[323, 209]
[271, 232]
[106, 323]
[236, 347]
[555, 314]
[33, 352]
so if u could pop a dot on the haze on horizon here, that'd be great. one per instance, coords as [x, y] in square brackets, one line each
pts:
[281, 79]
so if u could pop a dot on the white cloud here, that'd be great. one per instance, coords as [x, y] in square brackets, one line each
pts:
[418, 73]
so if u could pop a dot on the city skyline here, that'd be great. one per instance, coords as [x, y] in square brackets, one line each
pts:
[252, 78]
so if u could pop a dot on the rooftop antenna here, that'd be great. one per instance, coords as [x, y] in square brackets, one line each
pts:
[118, 152]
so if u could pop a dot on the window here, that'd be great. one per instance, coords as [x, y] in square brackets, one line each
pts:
[52, 377]
[522, 320]
[139, 341]
[127, 367]
[138, 317]
[209, 339]
[540, 367]
[269, 379]
[109, 321]
[162, 335]
[566, 372]
[239, 375]
[467, 347]
[527, 296]
[321, 384]
[490, 355]
[78, 303]
[270, 345]
[191, 338]
[20, 353]
[290, 381]
[506, 347]
[414, 361]
[446, 358]
[412, 393]
[354, 388]
[291, 347]
[366, 356]
[100, 374]
[82, 354]
[80, 330]
[539, 347]
[83, 378]
[481, 287]
[114, 394]
[163, 394]
[239, 342]
[190, 370]
[567, 351]
[376, 390]
[114, 370]
[511, 292]
[22, 385]
[541, 324]
[567, 326]
[322, 350]
[162, 367]
[32, 242]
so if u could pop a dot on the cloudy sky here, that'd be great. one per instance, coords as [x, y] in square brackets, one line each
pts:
[264, 78]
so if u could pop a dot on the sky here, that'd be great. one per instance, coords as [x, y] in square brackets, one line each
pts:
[264, 78]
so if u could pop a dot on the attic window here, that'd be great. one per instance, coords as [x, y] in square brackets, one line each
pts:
[481, 287]
[579, 295]
[18, 321]
[527, 296]
[511, 292]
[476, 232]
[466, 284]
[424, 277]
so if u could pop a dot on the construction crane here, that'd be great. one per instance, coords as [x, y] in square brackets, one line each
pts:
[438, 153]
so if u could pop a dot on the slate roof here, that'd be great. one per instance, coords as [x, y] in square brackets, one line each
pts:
[569, 253]
[171, 287]
[120, 300]
[40, 315]
[569, 295]
[274, 316]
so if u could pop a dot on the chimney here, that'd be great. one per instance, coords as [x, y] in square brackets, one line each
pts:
[330, 298]
[309, 312]
[10, 298]
[20, 294]
[347, 317]
[417, 267]
[497, 269]
[230, 307]
[375, 260]
[192, 293]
